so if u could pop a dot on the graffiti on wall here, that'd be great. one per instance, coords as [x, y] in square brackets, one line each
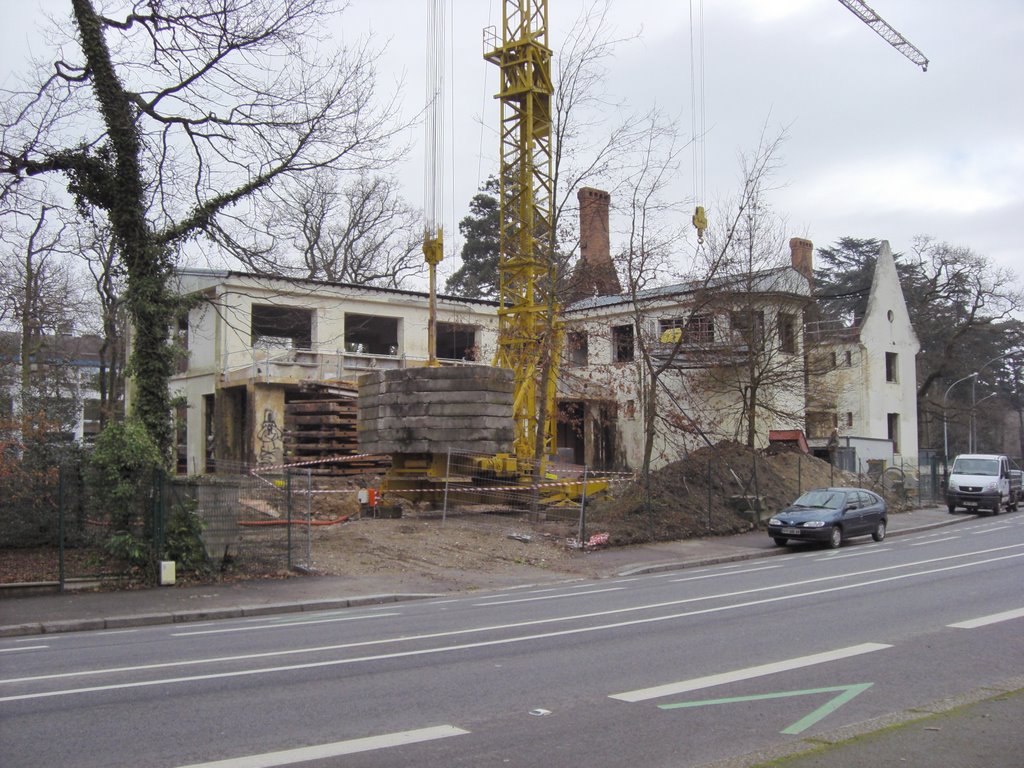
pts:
[270, 438]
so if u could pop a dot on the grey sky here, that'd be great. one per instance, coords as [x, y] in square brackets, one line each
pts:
[876, 147]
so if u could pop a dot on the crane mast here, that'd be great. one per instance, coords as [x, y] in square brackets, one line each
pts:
[866, 14]
[527, 336]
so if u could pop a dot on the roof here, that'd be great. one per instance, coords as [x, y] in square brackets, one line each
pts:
[774, 280]
[229, 274]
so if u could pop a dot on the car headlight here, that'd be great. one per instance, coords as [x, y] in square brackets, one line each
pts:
[953, 487]
[814, 524]
[774, 521]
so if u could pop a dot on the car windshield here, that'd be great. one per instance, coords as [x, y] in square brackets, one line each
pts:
[988, 467]
[821, 500]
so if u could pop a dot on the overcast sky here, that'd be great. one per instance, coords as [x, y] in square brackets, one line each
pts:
[876, 147]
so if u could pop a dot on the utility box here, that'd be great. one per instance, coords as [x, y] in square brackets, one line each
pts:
[167, 572]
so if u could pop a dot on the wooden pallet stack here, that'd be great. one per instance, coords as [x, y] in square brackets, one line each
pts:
[323, 428]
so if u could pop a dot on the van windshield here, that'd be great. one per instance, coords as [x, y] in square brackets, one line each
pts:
[976, 467]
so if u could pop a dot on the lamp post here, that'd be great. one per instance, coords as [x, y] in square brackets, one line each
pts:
[974, 417]
[945, 428]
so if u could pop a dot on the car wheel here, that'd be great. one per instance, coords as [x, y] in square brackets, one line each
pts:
[951, 508]
[879, 533]
[835, 537]
[780, 540]
[995, 509]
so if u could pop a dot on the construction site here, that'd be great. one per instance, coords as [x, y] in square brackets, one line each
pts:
[394, 403]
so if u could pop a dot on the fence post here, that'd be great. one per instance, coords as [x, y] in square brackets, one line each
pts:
[288, 486]
[583, 509]
[799, 470]
[309, 518]
[60, 527]
[709, 494]
[447, 479]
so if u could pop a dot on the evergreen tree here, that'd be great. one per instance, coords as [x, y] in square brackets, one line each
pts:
[478, 276]
[842, 278]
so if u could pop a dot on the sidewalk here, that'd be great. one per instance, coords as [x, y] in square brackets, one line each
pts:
[77, 611]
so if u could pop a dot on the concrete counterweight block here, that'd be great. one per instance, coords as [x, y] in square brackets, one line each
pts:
[434, 410]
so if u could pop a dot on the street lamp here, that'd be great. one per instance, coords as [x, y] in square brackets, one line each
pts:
[945, 429]
[974, 417]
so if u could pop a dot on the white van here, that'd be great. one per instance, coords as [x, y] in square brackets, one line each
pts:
[981, 481]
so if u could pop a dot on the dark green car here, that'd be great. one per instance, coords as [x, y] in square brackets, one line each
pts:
[830, 516]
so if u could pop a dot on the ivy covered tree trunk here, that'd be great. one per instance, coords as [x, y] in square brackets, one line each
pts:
[113, 181]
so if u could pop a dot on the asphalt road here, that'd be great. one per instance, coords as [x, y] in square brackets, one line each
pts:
[680, 668]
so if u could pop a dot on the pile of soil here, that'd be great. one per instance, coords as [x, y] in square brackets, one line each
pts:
[702, 495]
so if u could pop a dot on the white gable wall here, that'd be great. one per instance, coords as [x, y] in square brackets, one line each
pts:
[886, 328]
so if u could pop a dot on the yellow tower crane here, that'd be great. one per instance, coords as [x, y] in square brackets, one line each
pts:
[527, 314]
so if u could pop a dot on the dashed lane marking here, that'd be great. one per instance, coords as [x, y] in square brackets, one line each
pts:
[335, 749]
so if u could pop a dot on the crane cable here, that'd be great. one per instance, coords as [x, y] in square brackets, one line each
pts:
[433, 176]
[697, 117]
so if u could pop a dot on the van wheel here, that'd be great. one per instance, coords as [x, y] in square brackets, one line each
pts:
[951, 508]
[835, 537]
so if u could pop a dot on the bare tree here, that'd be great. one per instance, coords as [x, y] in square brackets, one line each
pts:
[321, 228]
[188, 109]
[758, 305]
[98, 249]
[43, 301]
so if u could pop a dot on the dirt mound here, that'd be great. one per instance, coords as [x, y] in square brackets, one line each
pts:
[702, 495]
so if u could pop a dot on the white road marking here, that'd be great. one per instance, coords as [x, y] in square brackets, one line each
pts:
[684, 686]
[856, 553]
[934, 541]
[993, 618]
[280, 624]
[24, 648]
[478, 644]
[335, 749]
[730, 573]
[993, 528]
[548, 597]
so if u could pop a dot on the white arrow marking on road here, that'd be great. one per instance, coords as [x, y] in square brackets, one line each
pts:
[671, 689]
[324, 751]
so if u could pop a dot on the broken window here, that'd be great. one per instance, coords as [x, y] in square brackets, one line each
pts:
[371, 335]
[695, 329]
[576, 352]
[622, 343]
[456, 342]
[279, 327]
[747, 327]
[787, 332]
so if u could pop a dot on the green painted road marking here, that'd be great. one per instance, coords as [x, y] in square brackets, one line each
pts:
[846, 693]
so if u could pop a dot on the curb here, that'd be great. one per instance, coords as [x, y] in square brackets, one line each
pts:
[177, 617]
[212, 614]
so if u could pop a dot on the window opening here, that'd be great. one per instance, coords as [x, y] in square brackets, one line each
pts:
[371, 335]
[456, 342]
[277, 327]
[622, 343]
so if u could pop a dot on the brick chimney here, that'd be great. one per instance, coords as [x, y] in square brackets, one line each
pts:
[802, 255]
[594, 273]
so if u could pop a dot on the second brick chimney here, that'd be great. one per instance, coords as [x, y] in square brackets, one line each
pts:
[594, 272]
[801, 253]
